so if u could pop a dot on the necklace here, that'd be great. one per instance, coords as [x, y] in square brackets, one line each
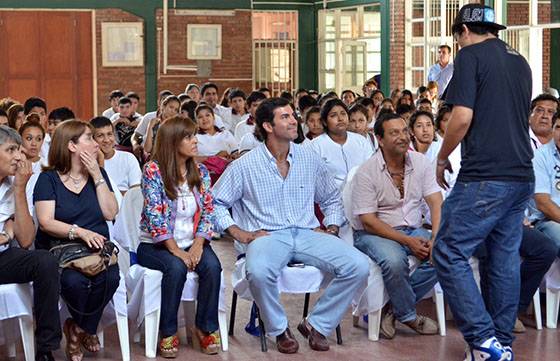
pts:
[183, 196]
[76, 181]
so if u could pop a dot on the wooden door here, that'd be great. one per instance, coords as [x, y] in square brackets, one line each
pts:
[48, 54]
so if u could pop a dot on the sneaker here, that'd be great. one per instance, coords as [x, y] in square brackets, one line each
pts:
[509, 351]
[490, 350]
[387, 328]
[519, 326]
[423, 325]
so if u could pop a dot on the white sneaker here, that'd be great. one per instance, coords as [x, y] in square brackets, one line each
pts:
[509, 351]
[490, 350]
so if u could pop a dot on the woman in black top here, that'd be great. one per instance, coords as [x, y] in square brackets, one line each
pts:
[73, 200]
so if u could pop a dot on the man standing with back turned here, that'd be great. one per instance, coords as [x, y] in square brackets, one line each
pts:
[494, 184]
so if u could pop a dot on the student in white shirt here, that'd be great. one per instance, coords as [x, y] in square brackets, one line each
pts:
[248, 125]
[122, 167]
[422, 134]
[32, 136]
[193, 91]
[169, 108]
[238, 110]
[341, 150]
[312, 120]
[114, 97]
[358, 123]
[209, 93]
[211, 140]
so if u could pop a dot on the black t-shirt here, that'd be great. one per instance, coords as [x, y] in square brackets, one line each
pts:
[73, 208]
[495, 82]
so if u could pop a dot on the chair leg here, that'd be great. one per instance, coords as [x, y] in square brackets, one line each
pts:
[27, 337]
[552, 304]
[374, 323]
[537, 308]
[264, 347]
[101, 337]
[306, 305]
[122, 328]
[232, 314]
[151, 326]
[440, 310]
[222, 322]
[338, 335]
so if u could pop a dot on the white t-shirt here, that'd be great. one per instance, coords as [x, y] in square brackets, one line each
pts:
[209, 145]
[184, 218]
[37, 167]
[224, 113]
[243, 128]
[142, 127]
[108, 113]
[124, 170]
[248, 142]
[236, 119]
[46, 146]
[7, 202]
[339, 159]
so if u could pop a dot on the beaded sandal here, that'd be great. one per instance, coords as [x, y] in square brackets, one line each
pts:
[169, 346]
[207, 344]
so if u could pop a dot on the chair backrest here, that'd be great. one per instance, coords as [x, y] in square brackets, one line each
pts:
[127, 225]
[347, 196]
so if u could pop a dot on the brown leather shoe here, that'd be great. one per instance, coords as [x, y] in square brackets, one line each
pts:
[286, 342]
[317, 341]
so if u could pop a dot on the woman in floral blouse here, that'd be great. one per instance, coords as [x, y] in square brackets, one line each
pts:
[176, 229]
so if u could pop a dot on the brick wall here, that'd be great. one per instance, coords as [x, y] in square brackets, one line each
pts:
[397, 40]
[110, 78]
[236, 62]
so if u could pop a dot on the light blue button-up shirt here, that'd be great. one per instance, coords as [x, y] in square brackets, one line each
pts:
[546, 165]
[441, 75]
[262, 199]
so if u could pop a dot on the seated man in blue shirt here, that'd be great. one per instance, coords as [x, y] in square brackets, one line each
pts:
[272, 190]
[545, 210]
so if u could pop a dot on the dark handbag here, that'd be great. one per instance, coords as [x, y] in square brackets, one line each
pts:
[79, 257]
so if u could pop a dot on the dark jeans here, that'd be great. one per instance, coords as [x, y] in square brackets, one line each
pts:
[40, 267]
[174, 271]
[87, 297]
[474, 213]
[538, 253]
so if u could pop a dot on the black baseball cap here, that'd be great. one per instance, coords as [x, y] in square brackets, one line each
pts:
[476, 14]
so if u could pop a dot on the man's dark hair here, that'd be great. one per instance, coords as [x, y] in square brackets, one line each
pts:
[237, 93]
[445, 46]
[306, 101]
[207, 86]
[417, 114]
[61, 114]
[544, 97]
[404, 108]
[189, 106]
[116, 94]
[265, 114]
[254, 97]
[424, 100]
[100, 122]
[478, 29]
[378, 127]
[287, 95]
[326, 109]
[407, 92]
[164, 94]
[33, 102]
[125, 100]
[264, 89]
[366, 102]
[421, 89]
[347, 91]
[133, 95]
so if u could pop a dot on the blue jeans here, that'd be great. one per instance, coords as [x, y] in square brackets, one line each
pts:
[477, 212]
[538, 252]
[268, 255]
[552, 230]
[404, 290]
[174, 271]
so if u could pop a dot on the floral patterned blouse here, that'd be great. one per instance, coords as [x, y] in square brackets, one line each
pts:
[159, 212]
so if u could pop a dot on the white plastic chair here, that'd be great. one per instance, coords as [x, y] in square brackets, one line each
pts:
[16, 303]
[552, 285]
[374, 296]
[144, 285]
[296, 280]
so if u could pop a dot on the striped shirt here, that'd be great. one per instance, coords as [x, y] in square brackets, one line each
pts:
[262, 199]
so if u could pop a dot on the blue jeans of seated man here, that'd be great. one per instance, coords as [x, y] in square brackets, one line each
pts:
[174, 272]
[404, 290]
[538, 252]
[266, 257]
[477, 212]
[552, 230]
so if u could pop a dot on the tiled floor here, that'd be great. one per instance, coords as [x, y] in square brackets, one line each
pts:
[532, 346]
